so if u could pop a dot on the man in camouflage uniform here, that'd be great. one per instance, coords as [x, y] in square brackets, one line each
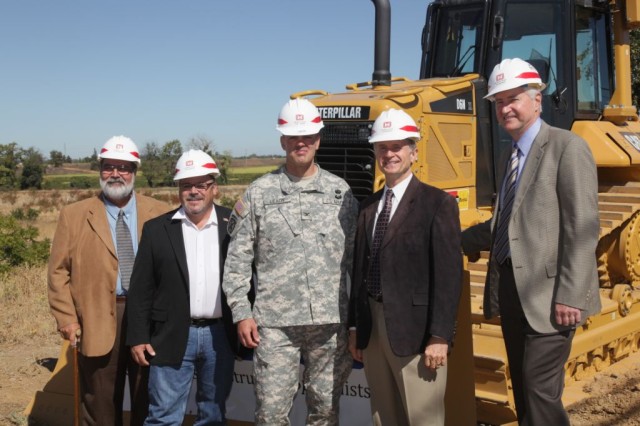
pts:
[296, 227]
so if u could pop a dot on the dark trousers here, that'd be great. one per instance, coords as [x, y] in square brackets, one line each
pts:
[536, 361]
[102, 381]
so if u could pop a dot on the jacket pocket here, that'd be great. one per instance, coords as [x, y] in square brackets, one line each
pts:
[552, 270]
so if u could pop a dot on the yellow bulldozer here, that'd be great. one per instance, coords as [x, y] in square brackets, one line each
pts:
[581, 49]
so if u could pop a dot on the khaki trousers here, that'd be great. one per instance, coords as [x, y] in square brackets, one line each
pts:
[403, 390]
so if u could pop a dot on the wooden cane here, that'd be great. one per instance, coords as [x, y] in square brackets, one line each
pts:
[76, 381]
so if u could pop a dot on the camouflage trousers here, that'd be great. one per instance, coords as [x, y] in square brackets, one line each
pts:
[276, 363]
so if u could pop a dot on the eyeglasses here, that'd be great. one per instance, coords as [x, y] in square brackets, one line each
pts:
[200, 187]
[122, 169]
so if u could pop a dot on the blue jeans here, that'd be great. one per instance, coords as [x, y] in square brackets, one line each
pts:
[209, 356]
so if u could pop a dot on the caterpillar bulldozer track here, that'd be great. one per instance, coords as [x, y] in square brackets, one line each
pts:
[581, 50]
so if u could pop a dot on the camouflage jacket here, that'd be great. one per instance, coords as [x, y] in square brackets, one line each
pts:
[300, 239]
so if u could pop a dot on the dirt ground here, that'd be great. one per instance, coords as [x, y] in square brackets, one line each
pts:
[611, 398]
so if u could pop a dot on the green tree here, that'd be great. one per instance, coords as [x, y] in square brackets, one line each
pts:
[95, 163]
[56, 158]
[159, 164]
[9, 160]
[32, 169]
[150, 164]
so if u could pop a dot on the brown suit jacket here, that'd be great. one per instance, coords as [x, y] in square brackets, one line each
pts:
[420, 269]
[83, 270]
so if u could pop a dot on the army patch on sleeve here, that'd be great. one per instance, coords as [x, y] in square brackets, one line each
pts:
[240, 207]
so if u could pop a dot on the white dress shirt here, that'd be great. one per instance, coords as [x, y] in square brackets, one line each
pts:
[203, 253]
[398, 193]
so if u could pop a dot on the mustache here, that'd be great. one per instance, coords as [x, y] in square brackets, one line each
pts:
[114, 179]
[194, 198]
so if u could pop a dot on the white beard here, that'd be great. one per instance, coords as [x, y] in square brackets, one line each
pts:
[117, 191]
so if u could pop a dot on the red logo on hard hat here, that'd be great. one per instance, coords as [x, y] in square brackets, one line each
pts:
[409, 128]
[189, 163]
[529, 74]
[499, 77]
[119, 147]
[209, 166]
[318, 119]
[386, 125]
[281, 121]
[299, 117]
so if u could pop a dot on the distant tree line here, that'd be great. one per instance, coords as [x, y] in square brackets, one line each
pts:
[25, 168]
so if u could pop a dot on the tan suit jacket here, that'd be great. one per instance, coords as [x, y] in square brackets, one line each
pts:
[553, 232]
[83, 270]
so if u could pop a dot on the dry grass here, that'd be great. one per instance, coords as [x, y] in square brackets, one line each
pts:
[24, 308]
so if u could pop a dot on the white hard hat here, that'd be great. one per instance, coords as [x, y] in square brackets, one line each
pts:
[299, 117]
[394, 125]
[120, 148]
[195, 163]
[512, 73]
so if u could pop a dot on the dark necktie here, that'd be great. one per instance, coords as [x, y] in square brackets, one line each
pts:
[373, 285]
[125, 250]
[501, 243]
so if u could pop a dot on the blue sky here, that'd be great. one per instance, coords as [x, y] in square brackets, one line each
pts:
[74, 73]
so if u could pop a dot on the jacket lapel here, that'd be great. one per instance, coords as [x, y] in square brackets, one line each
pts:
[97, 218]
[370, 215]
[223, 221]
[174, 231]
[402, 211]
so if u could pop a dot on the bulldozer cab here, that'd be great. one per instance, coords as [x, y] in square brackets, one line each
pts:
[568, 42]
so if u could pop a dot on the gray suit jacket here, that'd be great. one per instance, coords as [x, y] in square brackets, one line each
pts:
[553, 232]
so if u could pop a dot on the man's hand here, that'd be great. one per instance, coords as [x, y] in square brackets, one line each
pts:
[355, 352]
[435, 354]
[138, 353]
[68, 332]
[248, 333]
[566, 315]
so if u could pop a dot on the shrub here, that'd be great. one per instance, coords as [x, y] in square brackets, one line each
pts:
[19, 244]
[83, 182]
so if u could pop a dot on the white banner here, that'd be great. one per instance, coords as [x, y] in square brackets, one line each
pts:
[354, 403]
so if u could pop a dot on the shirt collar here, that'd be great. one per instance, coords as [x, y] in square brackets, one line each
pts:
[182, 215]
[399, 189]
[113, 210]
[525, 142]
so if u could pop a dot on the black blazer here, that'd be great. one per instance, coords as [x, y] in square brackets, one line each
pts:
[158, 307]
[420, 269]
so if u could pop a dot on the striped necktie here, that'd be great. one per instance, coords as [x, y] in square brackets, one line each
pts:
[125, 250]
[501, 243]
[373, 282]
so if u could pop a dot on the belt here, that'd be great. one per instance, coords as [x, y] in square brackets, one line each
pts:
[121, 299]
[377, 298]
[204, 322]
